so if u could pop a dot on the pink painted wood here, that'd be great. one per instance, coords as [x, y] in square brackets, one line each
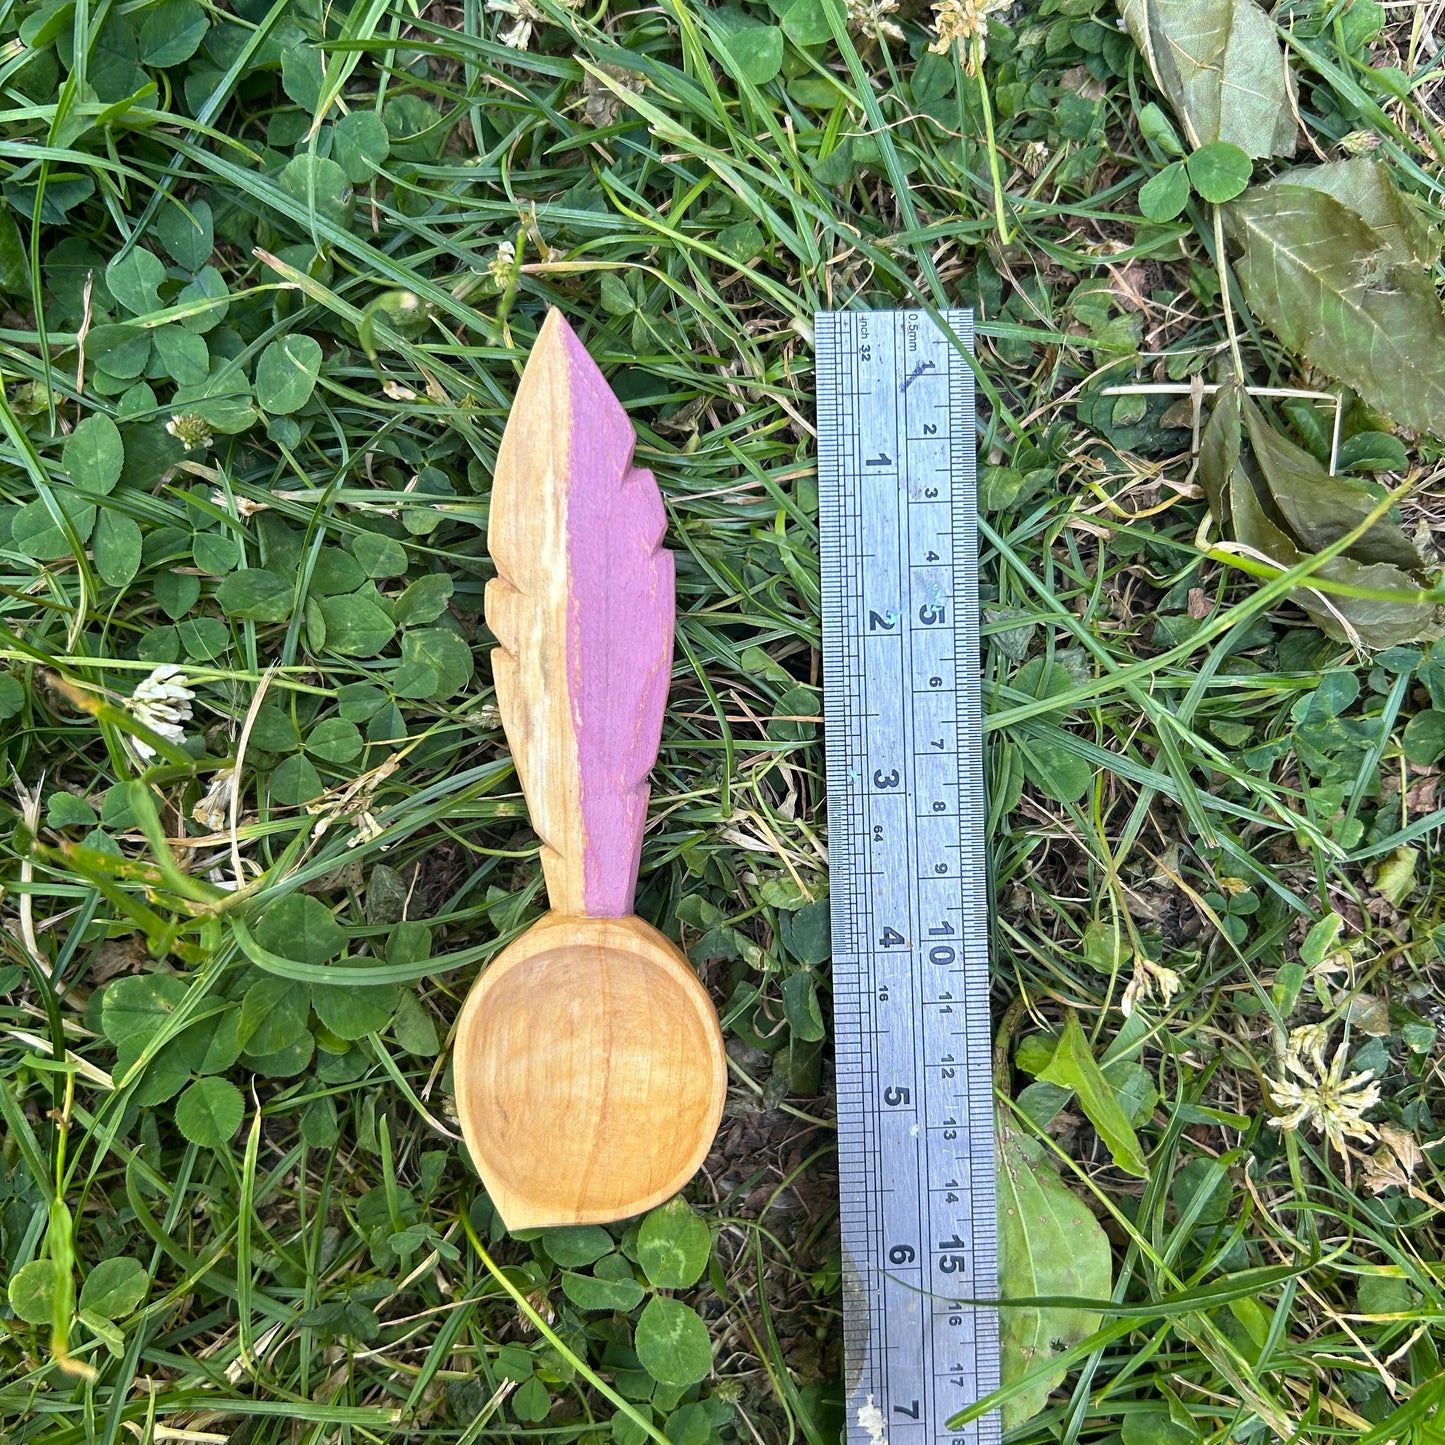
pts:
[583, 612]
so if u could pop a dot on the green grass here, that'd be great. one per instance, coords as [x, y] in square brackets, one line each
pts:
[1183, 771]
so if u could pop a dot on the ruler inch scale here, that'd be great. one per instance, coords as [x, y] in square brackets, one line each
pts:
[897, 498]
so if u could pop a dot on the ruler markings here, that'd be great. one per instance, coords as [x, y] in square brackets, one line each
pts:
[898, 550]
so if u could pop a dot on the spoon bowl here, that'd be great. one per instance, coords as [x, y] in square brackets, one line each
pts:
[590, 1072]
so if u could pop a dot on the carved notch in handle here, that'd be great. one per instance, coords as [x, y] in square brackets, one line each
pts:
[582, 608]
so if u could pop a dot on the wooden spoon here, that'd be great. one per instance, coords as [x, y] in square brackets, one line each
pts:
[589, 1065]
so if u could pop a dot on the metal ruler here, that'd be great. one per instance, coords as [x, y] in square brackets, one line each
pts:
[897, 499]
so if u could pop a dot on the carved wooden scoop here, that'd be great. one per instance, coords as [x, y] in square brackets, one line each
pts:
[589, 1065]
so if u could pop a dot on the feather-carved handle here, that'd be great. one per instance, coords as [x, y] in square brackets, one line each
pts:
[582, 609]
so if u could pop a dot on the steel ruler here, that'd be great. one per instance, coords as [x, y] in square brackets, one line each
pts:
[897, 499]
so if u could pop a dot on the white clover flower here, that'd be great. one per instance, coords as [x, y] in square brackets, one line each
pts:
[869, 17]
[1320, 1095]
[245, 507]
[963, 23]
[525, 18]
[214, 808]
[500, 267]
[1035, 157]
[192, 431]
[162, 702]
[1149, 976]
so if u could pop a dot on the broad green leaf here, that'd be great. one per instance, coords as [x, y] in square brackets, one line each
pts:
[257, 594]
[352, 1012]
[319, 1125]
[273, 731]
[598, 1292]
[210, 1112]
[65, 810]
[408, 942]
[183, 354]
[414, 1029]
[170, 33]
[116, 546]
[530, 1402]
[94, 454]
[302, 75]
[300, 927]
[379, 556]
[204, 638]
[286, 373]
[1073, 1067]
[1154, 125]
[215, 553]
[118, 349]
[211, 1046]
[1054, 766]
[161, 1079]
[808, 932]
[1319, 509]
[1156, 1427]
[134, 280]
[137, 1007]
[284, 1063]
[1219, 171]
[34, 532]
[333, 572]
[673, 1343]
[12, 696]
[14, 262]
[424, 601]
[1423, 741]
[32, 1291]
[800, 1007]
[360, 144]
[805, 22]
[574, 1245]
[274, 1014]
[1164, 196]
[295, 782]
[1049, 1245]
[435, 663]
[757, 51]
[335, 741]
[177, 593]
[1221, 66]
[187, 230]
[320, 186]
[673, 1244]
[1372, 451]
[210, 287]
[358, 701]
[1201, 1189]
[1363, 185]
[1228, 483]
[355, 625]
[1338, 292]
[114, 1288]
[110, 1335]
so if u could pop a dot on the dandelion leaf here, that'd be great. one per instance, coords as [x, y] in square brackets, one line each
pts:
[1220, 64]
[1049, 1245]
[1334, 265]
[1279, 505]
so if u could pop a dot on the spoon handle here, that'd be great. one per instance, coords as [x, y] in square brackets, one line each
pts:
[582, 608]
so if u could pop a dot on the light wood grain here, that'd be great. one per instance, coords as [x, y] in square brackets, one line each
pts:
[582, 608]
[590, 1072]
[589, 1064]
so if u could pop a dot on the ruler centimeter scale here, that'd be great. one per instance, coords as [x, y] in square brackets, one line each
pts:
[898, 525]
